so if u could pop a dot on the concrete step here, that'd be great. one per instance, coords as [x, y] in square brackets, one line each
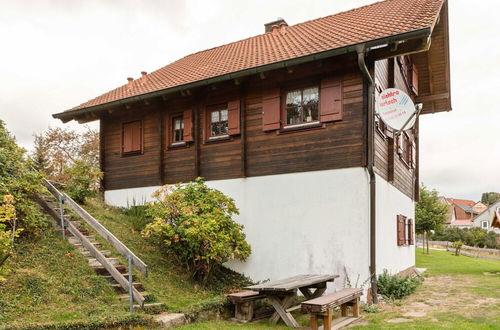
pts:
[87, 254]
[138, 285]
[94, 262]
[103, 271]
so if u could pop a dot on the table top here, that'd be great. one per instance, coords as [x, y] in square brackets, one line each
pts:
[292, 283]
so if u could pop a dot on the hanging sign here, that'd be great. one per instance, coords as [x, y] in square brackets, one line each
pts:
[395, 108]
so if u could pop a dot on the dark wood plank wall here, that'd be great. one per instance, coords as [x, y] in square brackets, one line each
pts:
[403, 177]
[335, 145]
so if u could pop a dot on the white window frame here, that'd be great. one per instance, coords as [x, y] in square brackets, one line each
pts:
[483, 224]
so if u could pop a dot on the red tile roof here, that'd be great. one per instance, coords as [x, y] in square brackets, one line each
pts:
[461, 223]
[465, 202]
[378, 20]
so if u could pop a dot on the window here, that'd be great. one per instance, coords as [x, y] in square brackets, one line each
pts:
[132, 138]
[484, 224]
[218, 122]
[177, 129]
[302, 106]
[404, 231]
[406, 149]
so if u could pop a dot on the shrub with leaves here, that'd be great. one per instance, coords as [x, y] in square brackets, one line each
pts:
[397, 287]
[82, 181]
[195, 223]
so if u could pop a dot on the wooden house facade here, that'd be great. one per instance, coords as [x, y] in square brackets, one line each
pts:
[283, 122]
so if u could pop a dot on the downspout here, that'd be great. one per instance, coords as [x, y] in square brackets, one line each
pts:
[369, 166]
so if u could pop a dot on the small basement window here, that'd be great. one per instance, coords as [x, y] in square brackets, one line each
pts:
[218, 122]
[177, 129]
[132, 138]
[302, 106]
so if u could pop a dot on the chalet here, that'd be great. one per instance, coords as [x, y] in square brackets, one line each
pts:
[284, 123]
[461, 212]
[488, 219]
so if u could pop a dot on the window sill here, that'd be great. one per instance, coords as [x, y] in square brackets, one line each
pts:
[178, 145]
[301, 127]
[215, 139]
[131, 153]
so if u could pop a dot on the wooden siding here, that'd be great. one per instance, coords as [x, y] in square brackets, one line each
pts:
[332, 145]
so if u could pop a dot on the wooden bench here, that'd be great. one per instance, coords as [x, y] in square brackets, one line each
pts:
[322, 307]
[244, 303]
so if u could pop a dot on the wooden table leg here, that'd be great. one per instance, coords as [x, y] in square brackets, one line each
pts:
[285, 302]
[314, 322]
[327, 320]
[343, 310]
[280, 307]
[355, 308]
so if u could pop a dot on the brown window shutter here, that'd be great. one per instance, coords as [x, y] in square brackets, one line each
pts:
[401, 230]
[330, 99]
[187, 118]
[413, 155]
[410, 231]
[271, 109]
[132, 137]
[399, 144]
[414, 79]
[233, 109]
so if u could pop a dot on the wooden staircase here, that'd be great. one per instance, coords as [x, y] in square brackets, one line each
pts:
[102, 261]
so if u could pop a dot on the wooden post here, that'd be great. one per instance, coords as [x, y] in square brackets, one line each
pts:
[343, 310]
[314, 322]
[161, 127]
[327, 320]
[355, 308]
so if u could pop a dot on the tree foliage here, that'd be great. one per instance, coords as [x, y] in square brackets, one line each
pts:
[475, 236]
[489, 198]
[195, 223]
[57, 149]
[82, 181]
[18, 182]
[430, 213]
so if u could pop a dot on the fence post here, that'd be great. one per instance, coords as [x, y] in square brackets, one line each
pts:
[130, 284]
[61, 207]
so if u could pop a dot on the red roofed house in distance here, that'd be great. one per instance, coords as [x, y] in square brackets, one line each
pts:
[284, 122]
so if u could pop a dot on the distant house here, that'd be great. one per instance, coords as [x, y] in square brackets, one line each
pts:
[488, 218]
[284, 123]
[462, 211]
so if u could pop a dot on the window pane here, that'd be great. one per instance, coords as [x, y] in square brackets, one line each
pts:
[223, 115]
[293, 115]
[311, 95]
[311, 112]
[293, 98]
[223, 128]
[215, 116]
[214, 129]
[177, 123]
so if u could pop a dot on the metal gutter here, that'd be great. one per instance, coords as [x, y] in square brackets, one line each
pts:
[69, 115]
[369, 92]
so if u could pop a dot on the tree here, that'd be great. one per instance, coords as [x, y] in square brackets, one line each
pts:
[430, 213]
[57, 149]
[489, 198]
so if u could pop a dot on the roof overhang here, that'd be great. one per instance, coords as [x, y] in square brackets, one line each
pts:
[430, 46]
[496, 220]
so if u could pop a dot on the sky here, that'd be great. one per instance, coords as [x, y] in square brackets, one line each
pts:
[57, 54]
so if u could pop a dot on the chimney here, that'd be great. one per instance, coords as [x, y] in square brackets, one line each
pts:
[130, 81]
[269, 26]
[283, 28]
[144, 77]
[275, 30]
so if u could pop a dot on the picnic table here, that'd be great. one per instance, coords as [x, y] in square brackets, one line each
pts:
[283, 293]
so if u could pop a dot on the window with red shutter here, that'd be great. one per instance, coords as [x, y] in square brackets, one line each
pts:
[401, 228]
[234, 117]
[271, 109]
[132, 138]
[330, 102]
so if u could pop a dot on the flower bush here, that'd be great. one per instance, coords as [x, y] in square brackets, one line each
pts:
[194, 223]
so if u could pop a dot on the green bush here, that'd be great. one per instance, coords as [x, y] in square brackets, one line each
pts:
[195, 223]
[137, 216]
[82, 178]
[475, 236]
[397, 287]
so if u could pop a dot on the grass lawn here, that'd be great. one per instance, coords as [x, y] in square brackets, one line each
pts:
[455, 295]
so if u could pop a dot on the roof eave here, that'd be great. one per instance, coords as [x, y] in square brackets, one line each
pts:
[69, 115]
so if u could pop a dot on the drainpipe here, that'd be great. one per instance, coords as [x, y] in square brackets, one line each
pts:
[369, 85]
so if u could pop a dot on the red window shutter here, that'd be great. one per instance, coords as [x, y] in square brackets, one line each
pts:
[414, 79]
[187, 118]
[401, 230]
[271, 109]
[132, 137]
[330, 99]
[410, 231]
[233, 109]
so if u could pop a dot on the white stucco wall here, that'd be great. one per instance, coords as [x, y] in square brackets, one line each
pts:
[310, 222]
[390, 203]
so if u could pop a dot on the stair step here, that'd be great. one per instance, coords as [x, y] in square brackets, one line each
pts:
[153, 308]
[113, 281]
[125, 297]
[94, 262]
[86, 253]
[81, 248]
[138, 285]
[103, 271]
[74, 240]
